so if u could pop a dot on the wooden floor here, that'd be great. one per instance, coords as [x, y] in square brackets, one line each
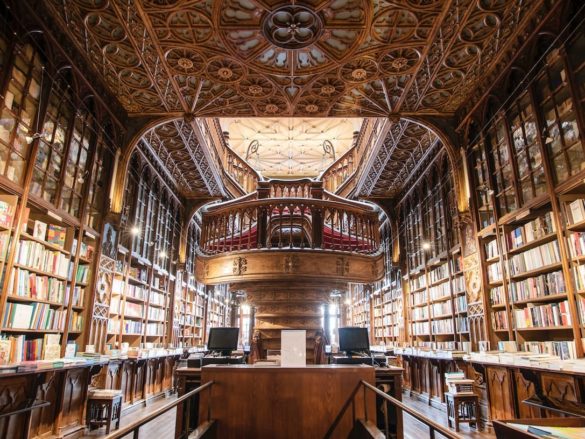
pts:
[164, 426]
[161, 428]
[414, 429]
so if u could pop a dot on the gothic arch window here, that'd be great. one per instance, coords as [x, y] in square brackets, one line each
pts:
[19, 110]
[53, 143]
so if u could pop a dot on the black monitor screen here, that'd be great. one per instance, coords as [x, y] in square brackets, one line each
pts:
[223, 339]
[353, 339]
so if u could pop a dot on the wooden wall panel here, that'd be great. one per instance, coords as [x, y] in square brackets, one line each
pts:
[500, 389]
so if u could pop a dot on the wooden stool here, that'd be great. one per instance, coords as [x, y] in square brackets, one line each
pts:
[462, 407]
[103, 408]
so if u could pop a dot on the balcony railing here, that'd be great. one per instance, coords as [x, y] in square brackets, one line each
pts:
[303, 188]
[289, 223]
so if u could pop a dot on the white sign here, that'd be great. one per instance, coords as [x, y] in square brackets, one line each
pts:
[293, 348]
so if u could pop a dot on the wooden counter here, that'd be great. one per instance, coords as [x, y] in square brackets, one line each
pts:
[65, 388]
[502, 388]
[139, 379]
[390, 378]
[285, 402]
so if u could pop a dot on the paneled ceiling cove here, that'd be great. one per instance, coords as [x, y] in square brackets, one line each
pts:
[279, 58]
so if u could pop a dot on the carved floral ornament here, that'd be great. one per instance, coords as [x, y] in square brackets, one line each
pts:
[357, 57]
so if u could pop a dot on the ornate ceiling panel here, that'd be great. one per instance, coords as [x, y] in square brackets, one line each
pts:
[405, 147]
[281, 58]
[290, 147]
[176, 147]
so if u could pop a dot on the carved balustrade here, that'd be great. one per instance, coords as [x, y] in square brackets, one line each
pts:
[291, 188]
[339, 172]
[289, 223]
[240, 171]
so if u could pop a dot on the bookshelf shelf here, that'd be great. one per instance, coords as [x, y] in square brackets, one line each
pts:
[43, 273]
[533, 273]
[550, 298]
[49, 245]
[33, 300]
[532, 244]
[546, 328]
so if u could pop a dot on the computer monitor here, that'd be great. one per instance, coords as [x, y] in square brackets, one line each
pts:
[354, 340]
[223, 340]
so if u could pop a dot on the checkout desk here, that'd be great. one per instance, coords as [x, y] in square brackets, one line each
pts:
[263, 399]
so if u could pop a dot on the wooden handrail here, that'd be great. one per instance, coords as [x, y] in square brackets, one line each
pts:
[133, 427]
[29, 405]
[340, 203]
[425, 420]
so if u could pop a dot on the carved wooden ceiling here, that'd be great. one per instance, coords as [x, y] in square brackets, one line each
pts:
[404, 150]
[177, 148]
[309, 58]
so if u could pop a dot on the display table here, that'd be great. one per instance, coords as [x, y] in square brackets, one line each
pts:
[190, 378]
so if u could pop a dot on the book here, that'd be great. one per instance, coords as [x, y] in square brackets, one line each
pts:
[56, 235]
[51, 347]
[70, 350]
[5, 349]
[22, 315]
[7, 210]
[40, 230]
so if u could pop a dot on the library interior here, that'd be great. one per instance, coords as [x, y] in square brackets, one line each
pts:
[292, 219]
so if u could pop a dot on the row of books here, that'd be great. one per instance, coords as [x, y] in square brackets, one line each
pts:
[133, 310]
[155, 329]
[418, 282]
[500, 320]
[579, 275]
[542, 316]
[51, 233]
[439, 273]
[497, 296]
[138, 273]
[577, 243]
[544, 285]
[17, 349]
[419, 313]
[86, 251]
[76, 322]
[419, 298]
[458, 284]
[420, 328]
[23, 283]
[461, 324]
[393, 294]
[460, 303]
[576, 211]
[494, 272]
[136, 291]
[440, 291]
[132, 327]
[564, 349]
[533, 259]
[156, 314]
[78, 296]
[443, 326]
[36, 256]
[157, 298]
[441, 308]
[82, 275]
[33, 316]
[491, 249]
[531, 231]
